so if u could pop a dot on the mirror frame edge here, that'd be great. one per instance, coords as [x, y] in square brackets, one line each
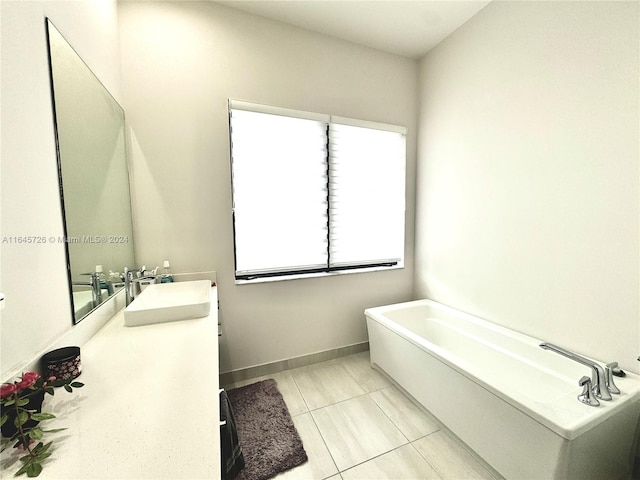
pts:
[48, 25]
[127, 136]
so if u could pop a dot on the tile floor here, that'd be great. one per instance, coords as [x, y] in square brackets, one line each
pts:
[355, 425]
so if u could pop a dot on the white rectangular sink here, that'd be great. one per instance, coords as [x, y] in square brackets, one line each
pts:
[169, 302]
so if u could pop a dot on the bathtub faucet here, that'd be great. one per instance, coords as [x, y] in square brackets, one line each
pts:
[600, 388]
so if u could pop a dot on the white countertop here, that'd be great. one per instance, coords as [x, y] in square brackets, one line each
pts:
[149, 408]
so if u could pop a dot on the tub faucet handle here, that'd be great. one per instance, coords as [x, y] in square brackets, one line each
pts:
[608, 376]
[586, 395]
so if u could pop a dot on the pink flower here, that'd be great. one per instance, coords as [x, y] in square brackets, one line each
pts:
[30, 375]
[46, 383]
[7, 389]
[28, 380]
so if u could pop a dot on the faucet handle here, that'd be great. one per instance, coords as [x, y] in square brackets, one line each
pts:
[608, 376]
[585, 397]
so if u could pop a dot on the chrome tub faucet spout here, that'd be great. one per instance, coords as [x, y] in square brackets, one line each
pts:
[598, 379]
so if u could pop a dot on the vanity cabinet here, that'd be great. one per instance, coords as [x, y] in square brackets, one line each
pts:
[149, 408]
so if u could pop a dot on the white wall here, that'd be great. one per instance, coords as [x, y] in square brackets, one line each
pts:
[181, 61]
[528, 179]
[33, 276]
[528, 173]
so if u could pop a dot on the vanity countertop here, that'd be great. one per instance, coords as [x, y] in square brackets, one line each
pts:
[149, 408]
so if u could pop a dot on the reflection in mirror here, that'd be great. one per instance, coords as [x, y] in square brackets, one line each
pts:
[94, 178]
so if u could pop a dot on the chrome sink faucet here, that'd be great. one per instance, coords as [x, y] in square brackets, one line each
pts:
[96, 290]
[598, 379]
[131, 280]
[129, 285]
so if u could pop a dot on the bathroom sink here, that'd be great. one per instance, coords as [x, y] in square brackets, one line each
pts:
[82, 302]
[169, 302]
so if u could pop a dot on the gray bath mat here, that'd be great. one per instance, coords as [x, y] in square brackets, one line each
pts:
[269, 440]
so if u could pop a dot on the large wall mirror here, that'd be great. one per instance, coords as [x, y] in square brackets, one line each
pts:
[94, 178]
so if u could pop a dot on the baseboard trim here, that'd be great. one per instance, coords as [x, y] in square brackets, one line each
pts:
[234, 376]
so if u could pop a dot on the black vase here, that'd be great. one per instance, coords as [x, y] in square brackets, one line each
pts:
[9, 428]
[62, 363]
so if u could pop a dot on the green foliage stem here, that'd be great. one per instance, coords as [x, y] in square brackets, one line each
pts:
[26, 436]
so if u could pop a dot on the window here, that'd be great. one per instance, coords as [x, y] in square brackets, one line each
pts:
[314, 193]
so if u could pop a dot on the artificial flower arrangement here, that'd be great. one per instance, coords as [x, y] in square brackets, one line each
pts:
[15, 399]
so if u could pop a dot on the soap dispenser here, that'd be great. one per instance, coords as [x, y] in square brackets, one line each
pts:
[104, 284]
[166, 273]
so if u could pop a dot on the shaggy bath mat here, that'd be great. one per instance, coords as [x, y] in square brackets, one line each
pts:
[269, 440]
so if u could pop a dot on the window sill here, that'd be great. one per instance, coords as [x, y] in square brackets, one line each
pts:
[317, 275]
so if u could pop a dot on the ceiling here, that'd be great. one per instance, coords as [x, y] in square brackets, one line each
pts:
[403, 27]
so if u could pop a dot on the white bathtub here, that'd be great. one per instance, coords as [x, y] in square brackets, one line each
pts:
[509, 400]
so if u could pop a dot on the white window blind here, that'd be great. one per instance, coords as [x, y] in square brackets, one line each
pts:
[367, 195]
[311, 195]
[279, 192]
